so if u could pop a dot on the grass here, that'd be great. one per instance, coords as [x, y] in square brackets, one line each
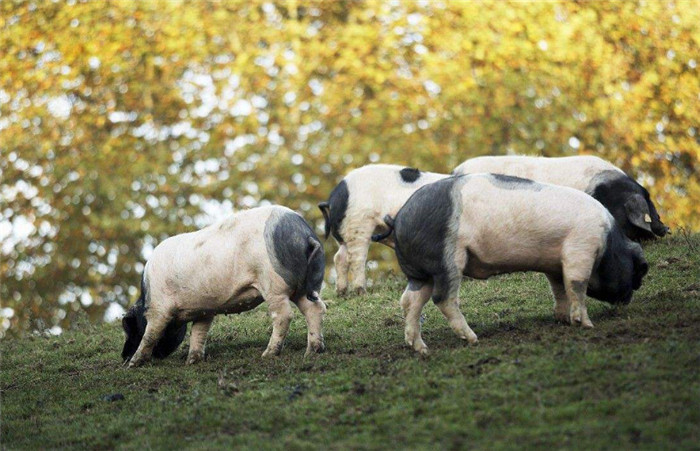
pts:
[632, 382]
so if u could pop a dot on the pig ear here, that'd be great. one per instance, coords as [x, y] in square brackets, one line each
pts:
[130, 329]
[641, 267]
[129, 322]
[638, 212]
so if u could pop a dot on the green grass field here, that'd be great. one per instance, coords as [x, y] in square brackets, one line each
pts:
[632, 382]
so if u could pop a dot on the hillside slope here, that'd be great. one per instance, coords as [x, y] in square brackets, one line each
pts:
[634, 380]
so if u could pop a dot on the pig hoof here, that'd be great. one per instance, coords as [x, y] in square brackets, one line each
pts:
[321, 348]
[423, 351]
[359, 291]
[472, 339]
[135, 363]
[310, 352]
[561, 317]
[575, 316]
[419, 346]
[195, 358]
[341, 292]
[317, 348]
[269, 352]
[561, 314]
[586, 323]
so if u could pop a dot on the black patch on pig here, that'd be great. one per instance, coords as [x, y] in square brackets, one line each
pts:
[614, 190]
[421, 229]
[619, 270]
[326, 212]
[134, 324]
[512, 182]
[446, 285]
[409, 175]
[172, 338]
[414, 285]
[296, 253]
[334, 210]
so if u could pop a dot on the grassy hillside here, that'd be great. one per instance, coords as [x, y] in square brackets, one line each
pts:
[633, 381]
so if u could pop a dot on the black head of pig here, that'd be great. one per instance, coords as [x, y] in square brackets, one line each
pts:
[630, 205]
[619, 271]
[134, 324]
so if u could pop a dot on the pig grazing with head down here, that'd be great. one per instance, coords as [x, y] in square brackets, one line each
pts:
[627, 200]
[485, 224]
[356, 209]
[263, 254]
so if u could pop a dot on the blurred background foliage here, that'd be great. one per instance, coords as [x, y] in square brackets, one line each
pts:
[122, 123]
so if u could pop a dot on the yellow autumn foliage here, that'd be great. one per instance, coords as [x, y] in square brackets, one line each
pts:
[125, 122]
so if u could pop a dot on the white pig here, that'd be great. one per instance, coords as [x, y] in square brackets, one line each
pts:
[356, 208]
[262, 254]
[485, 224]
[627, 200]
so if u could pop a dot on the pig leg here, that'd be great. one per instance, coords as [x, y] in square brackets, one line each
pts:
[313, 311]
[341, 269]
[578, 313]
[561, 299]
[413, 299]
[446, 297]
[281, 314]
[357, 250]
[358, 241]
[198, 339]
[577, 268]
[156, 324]
[450, 308]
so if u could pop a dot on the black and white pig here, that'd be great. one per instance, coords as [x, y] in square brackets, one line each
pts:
[485, 224]
[262, 254]
[356, 209]
[627, 200]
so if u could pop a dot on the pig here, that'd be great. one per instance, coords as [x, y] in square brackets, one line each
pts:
[627, 200]
[356, 208]
[480, 225]
[262, 254]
